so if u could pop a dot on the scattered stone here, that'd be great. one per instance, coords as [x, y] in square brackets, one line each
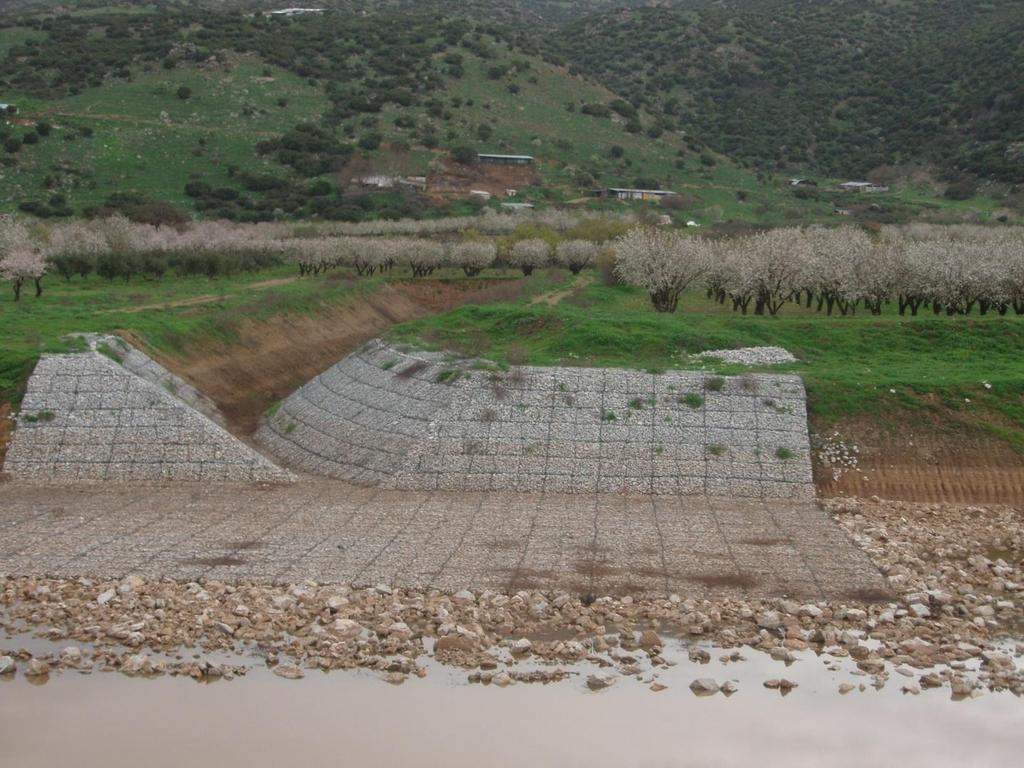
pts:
[699, 655]
[37, 668]
[704, 686]
[521, 647]
[289, 671]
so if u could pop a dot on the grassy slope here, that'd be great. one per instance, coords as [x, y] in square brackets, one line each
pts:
[136, 149]
[849, 364]
[34, 325]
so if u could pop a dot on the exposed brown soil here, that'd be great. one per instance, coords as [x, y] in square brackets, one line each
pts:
[456, 179]
[926, 463]
[274, 357]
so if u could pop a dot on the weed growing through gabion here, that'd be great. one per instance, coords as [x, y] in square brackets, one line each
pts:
[748, 383]
[411, 370]
[714, 384]
[488, 415]
[107, 351]
[448, 376]
[41, 416]
[691, 399]
[387, 365]
[716, 449]
[769, 403]
[636, 404]
[608, 416]
[783, 453]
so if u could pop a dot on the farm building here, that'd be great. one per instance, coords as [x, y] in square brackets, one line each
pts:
[862, 186]
[517, 206]
[624, 193]
[505, 159]
[294, 11]
[802, 183]
[7, 108]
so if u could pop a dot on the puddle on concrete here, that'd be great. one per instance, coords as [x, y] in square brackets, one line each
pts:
[354, 717]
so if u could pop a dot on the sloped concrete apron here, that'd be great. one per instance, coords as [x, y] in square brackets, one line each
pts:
[419, 421]
[85, 417]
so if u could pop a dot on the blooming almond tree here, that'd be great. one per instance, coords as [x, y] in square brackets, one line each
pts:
[473, 256]
[529, 255]
[424, 256]
[662, 263]
[23, 263]
[576, 254]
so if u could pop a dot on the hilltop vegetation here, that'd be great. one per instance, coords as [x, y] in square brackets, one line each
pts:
[843, 87]
[223, 113]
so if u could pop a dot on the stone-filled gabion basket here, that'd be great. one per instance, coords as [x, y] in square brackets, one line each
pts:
[419, 420]
[87, 417]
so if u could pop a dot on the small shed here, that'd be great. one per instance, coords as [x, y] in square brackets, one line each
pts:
[491, 159]
[863, 186]
[625, 193]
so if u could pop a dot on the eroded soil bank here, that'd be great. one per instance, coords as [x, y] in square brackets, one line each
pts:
[920, 461]
[274, 357]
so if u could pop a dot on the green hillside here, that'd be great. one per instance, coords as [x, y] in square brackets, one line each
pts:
[841, 87]
[223, 113]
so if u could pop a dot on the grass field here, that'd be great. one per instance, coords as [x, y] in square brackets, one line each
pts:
[852, 366]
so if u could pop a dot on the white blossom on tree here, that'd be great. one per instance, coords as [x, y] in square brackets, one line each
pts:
[529, 255]
[663, 263]
[575, 255]
[423, 256]
[473, 256]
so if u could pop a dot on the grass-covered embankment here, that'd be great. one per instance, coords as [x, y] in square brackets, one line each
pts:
[170, 314]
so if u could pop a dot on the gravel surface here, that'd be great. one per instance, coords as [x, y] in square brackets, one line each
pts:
[421, 421]
[751, 355]
[332, 531]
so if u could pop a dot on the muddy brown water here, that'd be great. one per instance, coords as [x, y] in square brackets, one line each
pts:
[110, 720]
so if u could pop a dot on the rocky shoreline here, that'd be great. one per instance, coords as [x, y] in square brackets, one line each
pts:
[954, 619]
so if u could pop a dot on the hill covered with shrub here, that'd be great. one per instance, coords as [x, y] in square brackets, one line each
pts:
[224, 111]
[842, 86]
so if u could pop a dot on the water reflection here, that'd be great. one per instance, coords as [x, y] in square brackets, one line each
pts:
[354, 718]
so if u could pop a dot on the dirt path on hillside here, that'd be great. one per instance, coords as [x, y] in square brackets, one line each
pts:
[274, 357]
[206, 298]
[927, 464]
[554, 297]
